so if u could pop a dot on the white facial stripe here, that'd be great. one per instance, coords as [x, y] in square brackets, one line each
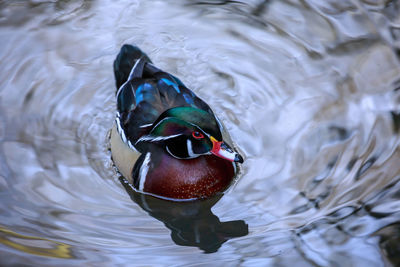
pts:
[143, 171]
[155, 126]
[201, 130]
[150, 138]
[169, 151]
[194, 125]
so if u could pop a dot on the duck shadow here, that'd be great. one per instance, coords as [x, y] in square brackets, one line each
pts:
[192, 223]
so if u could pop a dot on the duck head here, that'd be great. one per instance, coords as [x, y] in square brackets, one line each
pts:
[187, 133]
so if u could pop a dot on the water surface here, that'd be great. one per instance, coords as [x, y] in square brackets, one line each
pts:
[309, 91]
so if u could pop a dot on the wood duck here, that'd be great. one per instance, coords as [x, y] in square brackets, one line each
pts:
[166, 141]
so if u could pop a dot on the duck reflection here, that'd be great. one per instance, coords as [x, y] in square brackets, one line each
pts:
[192, 223]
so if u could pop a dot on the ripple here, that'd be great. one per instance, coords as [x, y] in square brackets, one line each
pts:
[308, 91]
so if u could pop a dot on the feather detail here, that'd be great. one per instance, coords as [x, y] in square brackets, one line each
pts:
[145, 92]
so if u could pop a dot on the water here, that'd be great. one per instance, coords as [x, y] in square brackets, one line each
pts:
[309, 91]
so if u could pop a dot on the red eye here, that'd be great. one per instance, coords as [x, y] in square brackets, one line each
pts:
[197, 135]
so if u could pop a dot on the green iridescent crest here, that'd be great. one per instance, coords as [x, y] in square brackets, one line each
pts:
[178, 134]
[172, 126]
[194, 116]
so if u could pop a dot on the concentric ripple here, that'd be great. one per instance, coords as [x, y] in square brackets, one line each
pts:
[309, 91]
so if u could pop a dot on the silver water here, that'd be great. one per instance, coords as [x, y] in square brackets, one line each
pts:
[309, 91]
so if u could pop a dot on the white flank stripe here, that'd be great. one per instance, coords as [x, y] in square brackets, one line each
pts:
[117, 120]
[143, 171]
[122, 133]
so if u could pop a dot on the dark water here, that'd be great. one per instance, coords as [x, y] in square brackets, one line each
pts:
[309, 90]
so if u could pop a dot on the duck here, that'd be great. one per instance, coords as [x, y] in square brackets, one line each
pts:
[166, 141]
